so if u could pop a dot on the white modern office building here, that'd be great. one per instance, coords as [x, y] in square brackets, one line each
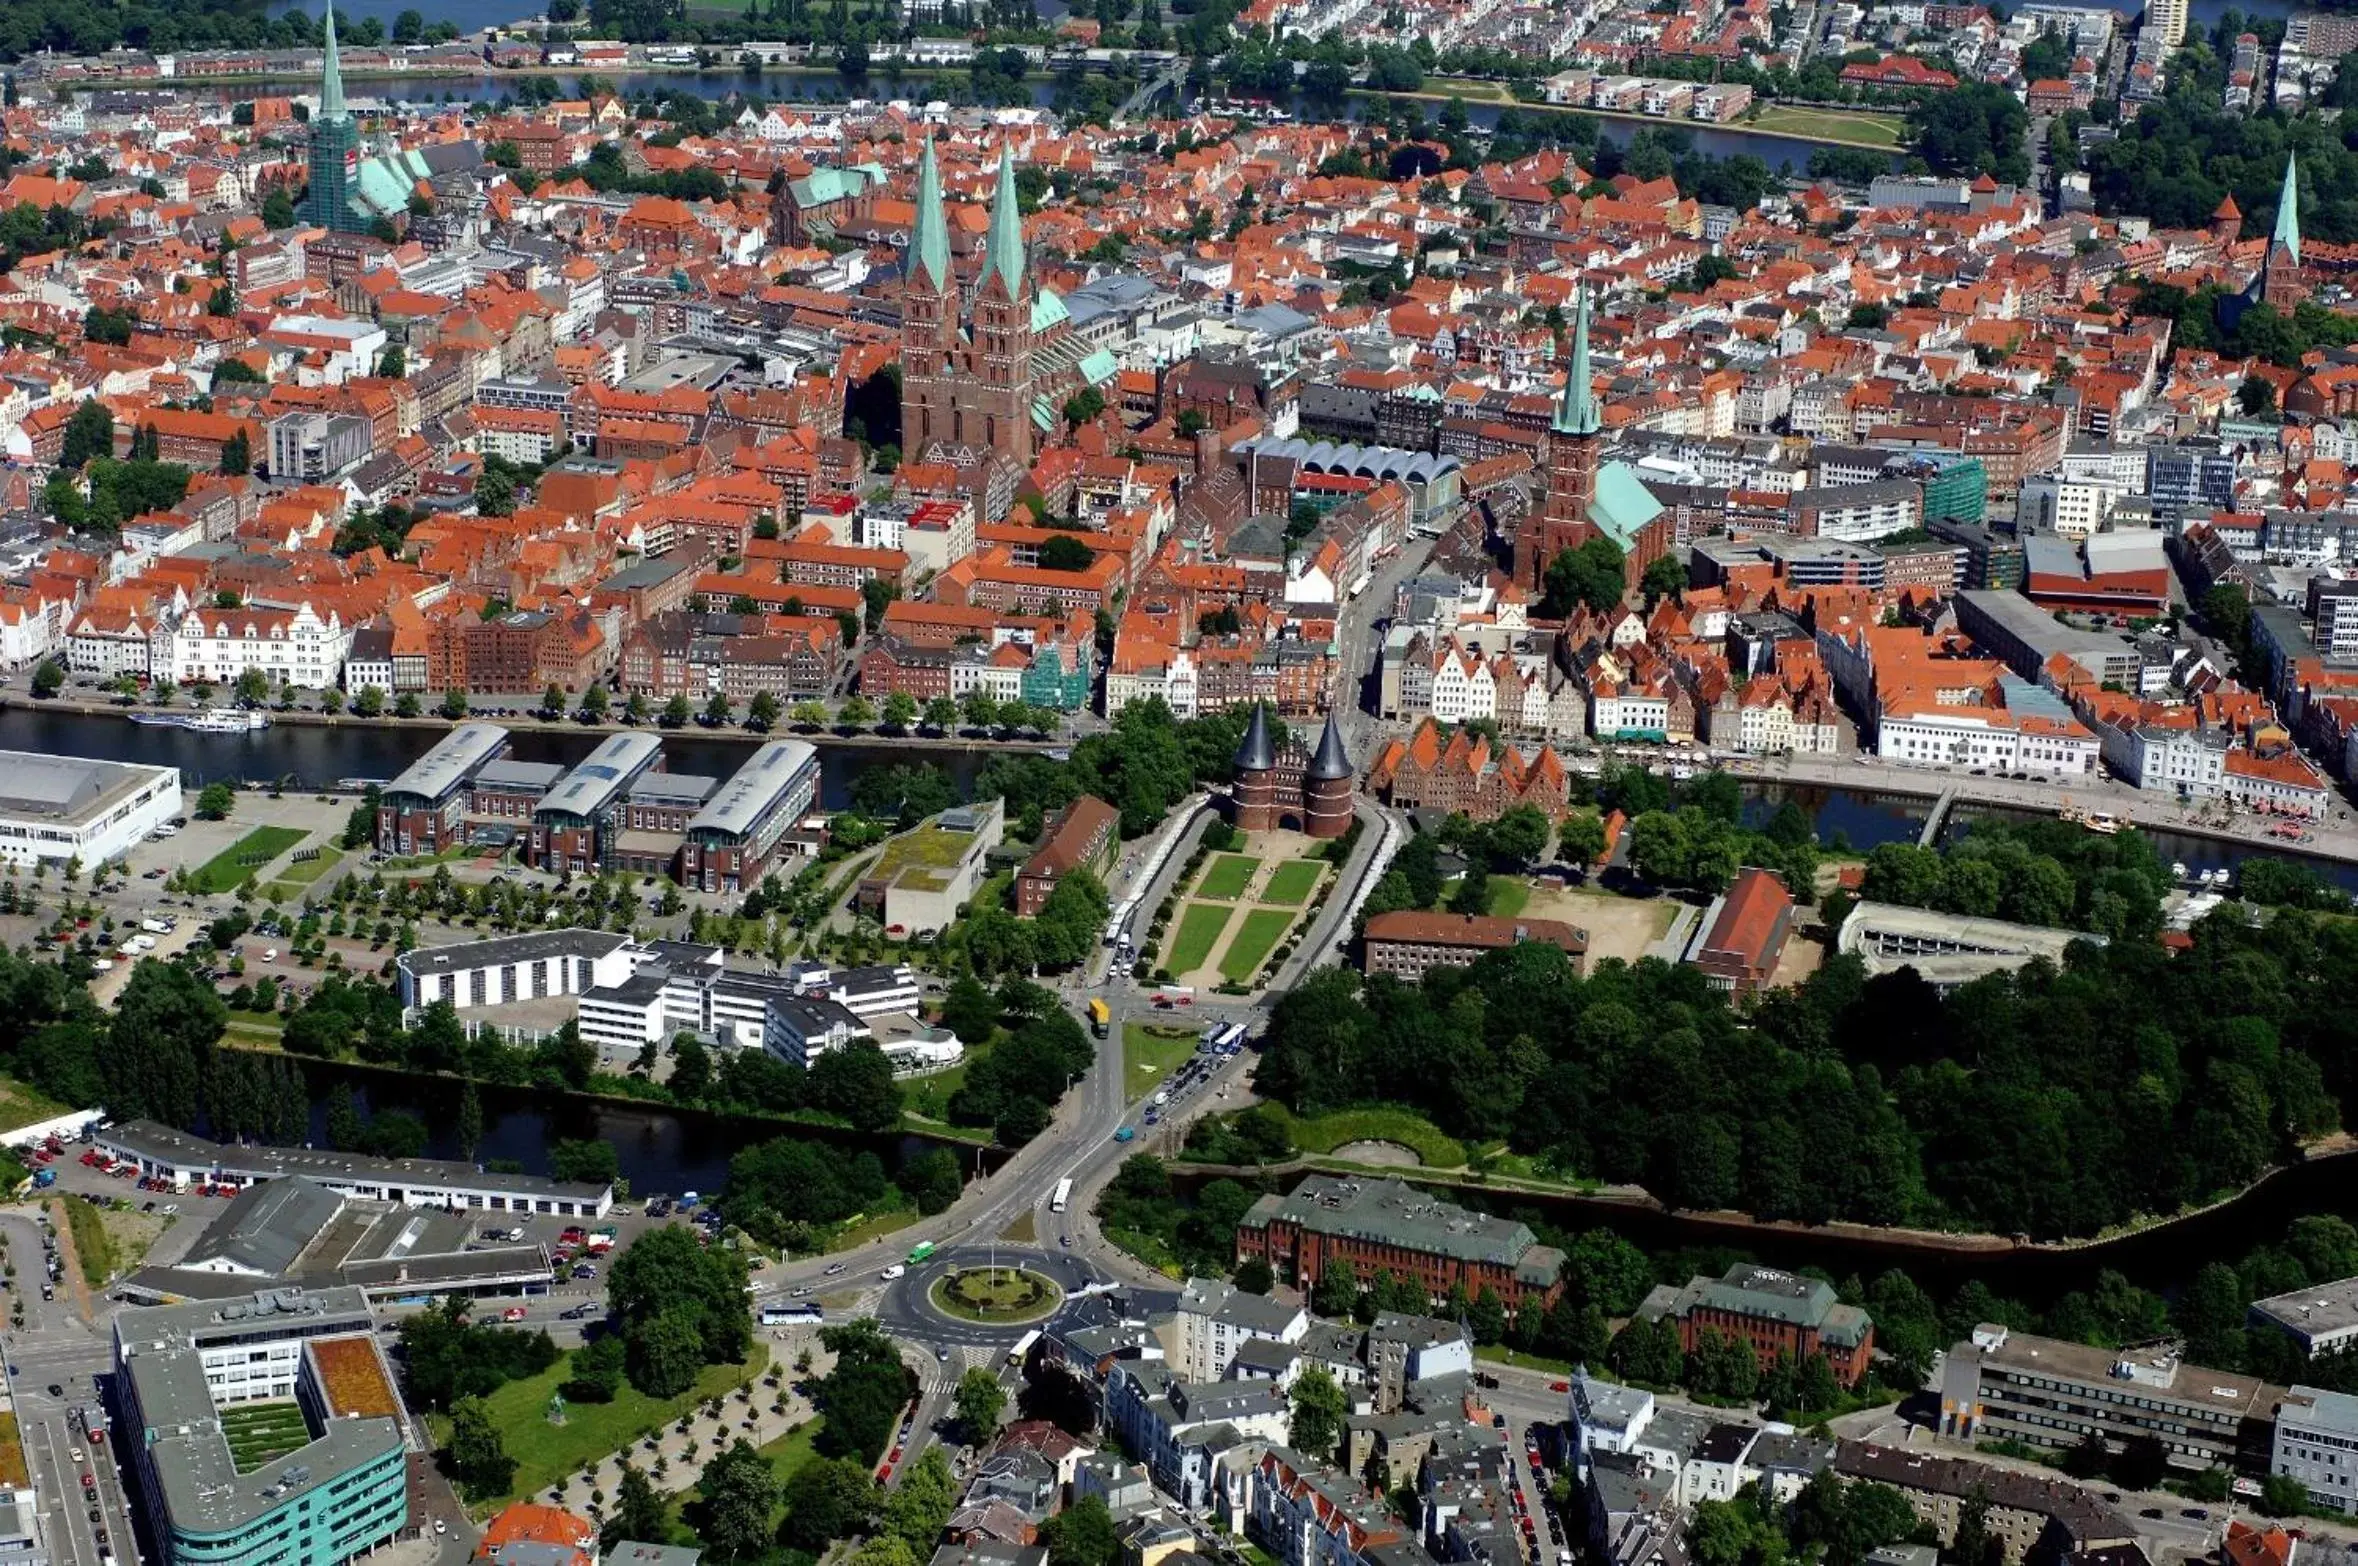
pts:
[63, 808]
[508, 968]
[2317, 1444]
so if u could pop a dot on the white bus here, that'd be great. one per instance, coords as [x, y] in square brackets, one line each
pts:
[1064, 1194]
[1023, 1346]
[1224, 1036]
[780, 1315]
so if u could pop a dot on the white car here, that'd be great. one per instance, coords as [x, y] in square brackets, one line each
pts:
[894, 1271]
[270, 954]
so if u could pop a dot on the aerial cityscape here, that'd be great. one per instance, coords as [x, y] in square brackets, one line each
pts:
[1241, 783]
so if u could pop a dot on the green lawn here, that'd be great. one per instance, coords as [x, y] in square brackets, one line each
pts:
[1151, 1051]
[1292, 882]
[544, 1452]
[236, 864]
[1376, 1123]
[1508, 894]
[1200, 925]
[1262, 929]
[1884, 130]
[21, 1106]
[304, 872]
[1227, 875]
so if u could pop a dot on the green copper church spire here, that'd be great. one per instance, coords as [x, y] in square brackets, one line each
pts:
[2288, 212]
[931, 248]
[1576, 411]
[1003, 252]
[331, 78]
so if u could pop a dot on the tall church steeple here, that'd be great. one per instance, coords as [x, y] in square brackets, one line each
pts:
[2282, 282]
[331, 78]
[1576, 410]
[1003, 251]
[929, 248]
[1574, 436]
[335, 146]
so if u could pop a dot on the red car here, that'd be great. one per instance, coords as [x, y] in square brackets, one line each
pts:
[512, 1313]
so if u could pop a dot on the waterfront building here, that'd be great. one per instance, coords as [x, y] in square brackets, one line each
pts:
[577, 826]
[1772, 1313]
[422, 811]
[738, 835]
[1388, 1224]
[2322, 1319]
[59, 809]
[2005, 1385]
[180, 1160]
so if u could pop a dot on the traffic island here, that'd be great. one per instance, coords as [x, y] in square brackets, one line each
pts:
[995, 1296]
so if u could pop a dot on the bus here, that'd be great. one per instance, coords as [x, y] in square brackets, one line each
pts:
[920, 1251]
[778, 1314]
[1222, 1037]
[1023, 1347]
[1100, 1016]
[1064, 1194]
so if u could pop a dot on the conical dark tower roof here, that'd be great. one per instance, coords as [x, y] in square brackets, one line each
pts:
[1257, 754]
[1330, 763]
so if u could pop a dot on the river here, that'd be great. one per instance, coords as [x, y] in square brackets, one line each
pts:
[317, 756]
[660, 1150]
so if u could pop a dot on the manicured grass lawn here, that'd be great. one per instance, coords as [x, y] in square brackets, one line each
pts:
[868, 1229]
[1149, 1057]
[1292, 882]
[236, 864]
[1200, 925]
[1227, 875]
[1377, 1123]
[1881, 129]
[1508, 894]
[543, 1452]
[260, 1432]
[21, 1106]
[1262, 929]
[304, 872]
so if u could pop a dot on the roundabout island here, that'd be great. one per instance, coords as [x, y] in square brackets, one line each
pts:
[995, 1296]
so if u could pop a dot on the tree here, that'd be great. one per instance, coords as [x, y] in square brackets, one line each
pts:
[900, 710]
[1580, 838]
[676, 713]
[495, 493]
[762, 713]
[1592, 574]
[470, 1121]
[862, 1395]
[1663, 578]
[739, 1491]
[640, 1512]
[941, 713]
[827, 1499]
[454, 704]
[1082, 1535]
[681, 1306]
[1319, 1410]
[1065, 552]
[215, 801]
[857, 712]
[717, 710]
[277, 211]
[89, 433]
[48, 679]
[475, 1456]
[979, 1399]
[237, 455]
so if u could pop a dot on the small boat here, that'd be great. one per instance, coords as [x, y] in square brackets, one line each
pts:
[2178, 870]
[2099, 822]
[213, 720]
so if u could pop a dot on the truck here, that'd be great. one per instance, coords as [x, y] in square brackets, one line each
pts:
[1100, 1016]
[94, 1421]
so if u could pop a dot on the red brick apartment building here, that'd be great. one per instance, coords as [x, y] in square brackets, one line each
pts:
[1775, 1312]
[1080, 839]
[1391, 1225]
[1408, 944]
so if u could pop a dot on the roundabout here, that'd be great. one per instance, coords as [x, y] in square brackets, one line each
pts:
[995, 1296]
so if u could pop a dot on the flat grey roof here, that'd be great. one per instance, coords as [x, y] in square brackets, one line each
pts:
[758, 785]
[592, 786]
[163, 1145]
[531, 946]
[158, 1348]
[451, 762]
[2322, 1307]
[535, 777]
[673, 787]
[68, 788]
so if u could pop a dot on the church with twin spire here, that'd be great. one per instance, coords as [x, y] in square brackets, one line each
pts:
[988, 356]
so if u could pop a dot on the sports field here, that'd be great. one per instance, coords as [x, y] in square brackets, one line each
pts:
[1880, 130]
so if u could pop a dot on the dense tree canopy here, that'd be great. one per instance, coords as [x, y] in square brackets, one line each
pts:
[2051, 1100]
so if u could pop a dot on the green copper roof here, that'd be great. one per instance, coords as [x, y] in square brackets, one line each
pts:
[1003, 253]
[931, 246]
[1098, 366]
[1623, 505]
[1049, 310]
[331, 75]
[1576, 411]
[2288, 212]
